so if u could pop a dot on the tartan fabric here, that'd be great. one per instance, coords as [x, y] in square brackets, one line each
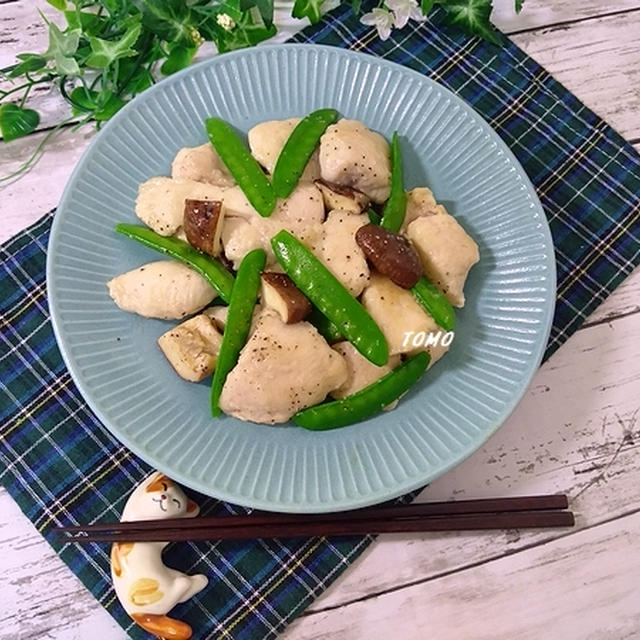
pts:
[61, 465]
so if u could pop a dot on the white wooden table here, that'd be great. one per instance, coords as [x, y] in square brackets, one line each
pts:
[575, 431]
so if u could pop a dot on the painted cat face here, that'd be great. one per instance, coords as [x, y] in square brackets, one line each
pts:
[158, 497]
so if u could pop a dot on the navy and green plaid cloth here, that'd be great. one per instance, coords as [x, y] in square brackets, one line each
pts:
[61, 465]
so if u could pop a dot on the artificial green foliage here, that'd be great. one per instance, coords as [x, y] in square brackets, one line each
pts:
[108, 51]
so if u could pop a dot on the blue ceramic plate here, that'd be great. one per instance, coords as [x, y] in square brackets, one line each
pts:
[501, 332]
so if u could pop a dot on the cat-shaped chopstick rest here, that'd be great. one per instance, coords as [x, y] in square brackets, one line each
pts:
[145, 586]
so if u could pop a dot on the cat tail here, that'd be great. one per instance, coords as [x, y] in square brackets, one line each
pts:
[163, 626]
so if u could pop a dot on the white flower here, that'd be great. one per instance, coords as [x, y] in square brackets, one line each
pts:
[225, 21]
[381, 19]
[403, 10]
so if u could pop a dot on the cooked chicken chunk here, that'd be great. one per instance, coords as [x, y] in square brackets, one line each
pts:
[201, 164]
[164, 289]
[360, 372]
[301, 214]
[339, 251]
[219, 315]
[160, 201]
[267, 139]
[447, 253]
[282, 369]
[236, 204]
[420, 202]
[397, 313]
[354, 156]
[192, 347]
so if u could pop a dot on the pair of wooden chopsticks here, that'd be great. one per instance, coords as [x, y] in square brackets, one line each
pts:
[493, 513]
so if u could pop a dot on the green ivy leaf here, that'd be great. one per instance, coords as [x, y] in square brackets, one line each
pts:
[249, 31]
[108, 105]
[60, 5]
[67, 66]
[307, 9]
[473, 17]
[16, 121]
[82, 100]
[88, 23]
[63, 44]
[179, 58]
[170, 20]
[426, 6]
[105, 52]
[30, 62]
[101, 104]
[137, 78]
[519, 4]
[264, 6]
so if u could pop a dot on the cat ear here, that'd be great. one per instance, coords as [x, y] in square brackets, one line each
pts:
[160, 482]
[192, 507]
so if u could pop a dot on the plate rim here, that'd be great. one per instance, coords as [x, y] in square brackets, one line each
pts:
[374, 497]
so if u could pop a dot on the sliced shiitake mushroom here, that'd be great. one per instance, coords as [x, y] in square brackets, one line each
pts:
[279, 293]
[391, 254]
[337, 196]
[202, 224]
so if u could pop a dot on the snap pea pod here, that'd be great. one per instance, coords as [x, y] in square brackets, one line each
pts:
[367, 401]
[374, 218]
[435, 303]
[243, 300]
[211, 269]
[327, 293]
[325, 327]
[242, 166]
[395, 207]
[298, 148]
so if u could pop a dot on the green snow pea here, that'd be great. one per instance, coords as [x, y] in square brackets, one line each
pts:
[242, 166]
[211, 269]
[298, 149]
[395, 207]
[435, 303]
[327, 293]
[367, 401]
[243, 300]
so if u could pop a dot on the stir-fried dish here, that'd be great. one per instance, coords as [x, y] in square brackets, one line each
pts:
[309, 284]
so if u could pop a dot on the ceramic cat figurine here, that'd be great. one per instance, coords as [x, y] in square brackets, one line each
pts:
[145, 586]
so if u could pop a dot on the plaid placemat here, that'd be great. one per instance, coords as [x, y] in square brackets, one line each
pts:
[60, 464]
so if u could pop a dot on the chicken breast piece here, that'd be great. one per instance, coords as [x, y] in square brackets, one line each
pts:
[164, 289]
[354, 156]
[219, 315]
[282, 369]
[360, 372]
[202, 164]
[192, 347]
[267, 139]
[301, 214]
[446, 251]
[160, 201]
[397, 313]
[420, 202]
[339, 251]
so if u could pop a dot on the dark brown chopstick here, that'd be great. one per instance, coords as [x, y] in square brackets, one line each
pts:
[494, 513]
[261, 518]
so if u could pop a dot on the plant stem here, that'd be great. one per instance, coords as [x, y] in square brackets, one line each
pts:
[37, 153]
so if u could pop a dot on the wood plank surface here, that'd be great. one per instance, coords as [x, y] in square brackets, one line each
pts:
[523, 596]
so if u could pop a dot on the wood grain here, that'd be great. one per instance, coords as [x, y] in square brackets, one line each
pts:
[581, 439]
[524, 596]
